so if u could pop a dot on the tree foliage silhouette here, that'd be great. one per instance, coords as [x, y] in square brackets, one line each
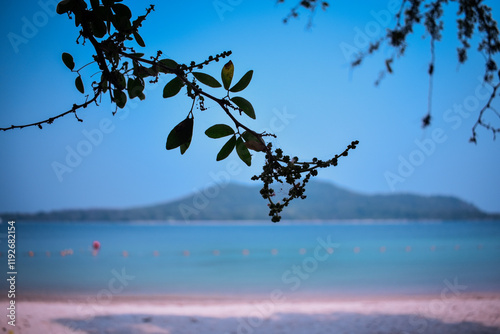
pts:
[472, 17]
[124, 72]
[109, 27]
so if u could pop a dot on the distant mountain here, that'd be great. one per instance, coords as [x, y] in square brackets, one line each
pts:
[325, 201]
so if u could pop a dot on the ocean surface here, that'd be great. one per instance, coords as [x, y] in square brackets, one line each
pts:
[239, 258]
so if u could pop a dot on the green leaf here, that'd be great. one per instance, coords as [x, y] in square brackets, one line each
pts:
[227, 74]
[138, 54]
[98, 28]
[118, 79]
[253, 142]
[122, 10]
[139, 39]
[120, 98]
[64, 6]
[248, 136]
[79, 84]
[172, 87]
[68, 60]
[143, 72]
[244, 105]
[243, 83]
[121, 23]
[243, 152]
[104, 83]
[226, 149]
[207, 79]
[135, 87]
[219, 131]
[180, 134]
[185, 146]
[168, 63]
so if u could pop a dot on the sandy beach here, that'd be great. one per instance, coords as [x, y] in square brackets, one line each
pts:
[162, 315]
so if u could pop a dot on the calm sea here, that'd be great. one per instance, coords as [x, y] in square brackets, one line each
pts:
[328, 259]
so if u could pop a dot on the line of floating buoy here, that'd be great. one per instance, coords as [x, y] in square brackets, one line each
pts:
[65, 252]
[96, 246]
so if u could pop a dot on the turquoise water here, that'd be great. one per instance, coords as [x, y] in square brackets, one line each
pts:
[226, 259]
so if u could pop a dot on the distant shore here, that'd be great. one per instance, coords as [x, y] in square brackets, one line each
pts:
[448, 313]
[267, 222]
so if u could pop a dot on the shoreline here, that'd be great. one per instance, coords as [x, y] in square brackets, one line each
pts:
[261, 222]
[464, 313]
[249, 298]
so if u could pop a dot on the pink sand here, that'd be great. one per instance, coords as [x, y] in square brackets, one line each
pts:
[161, 315]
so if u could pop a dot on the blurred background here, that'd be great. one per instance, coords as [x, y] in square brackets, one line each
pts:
[303, 90]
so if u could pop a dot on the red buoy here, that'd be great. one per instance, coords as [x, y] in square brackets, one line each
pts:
[96, 245]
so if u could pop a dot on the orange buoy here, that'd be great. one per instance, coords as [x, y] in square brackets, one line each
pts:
[31, 254]
[96, 245]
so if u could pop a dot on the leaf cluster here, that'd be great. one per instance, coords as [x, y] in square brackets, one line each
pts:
[472, 17]
[282, 169]
[110, 28]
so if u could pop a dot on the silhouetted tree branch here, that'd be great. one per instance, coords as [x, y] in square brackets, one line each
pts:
[473, 16]
[107, 25]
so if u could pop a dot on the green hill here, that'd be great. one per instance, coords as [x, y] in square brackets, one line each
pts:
[325, 201]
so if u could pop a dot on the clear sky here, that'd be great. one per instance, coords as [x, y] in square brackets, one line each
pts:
[303, 90]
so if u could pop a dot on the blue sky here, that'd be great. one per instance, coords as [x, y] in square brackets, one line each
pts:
[303, 90]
